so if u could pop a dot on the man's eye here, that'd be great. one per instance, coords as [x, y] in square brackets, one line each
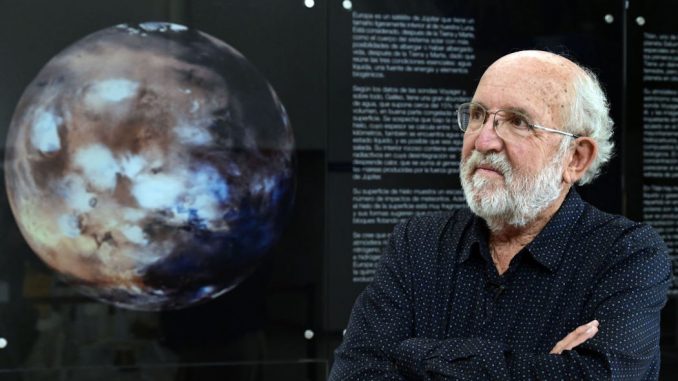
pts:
[517, 121]
[476, 113]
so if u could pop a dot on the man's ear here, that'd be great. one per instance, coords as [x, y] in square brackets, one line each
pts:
[579, 160]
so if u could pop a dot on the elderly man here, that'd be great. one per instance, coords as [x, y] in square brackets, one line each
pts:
[531, 282]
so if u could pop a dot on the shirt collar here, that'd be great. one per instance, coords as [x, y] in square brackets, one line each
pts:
[549, 245]
[477, 233]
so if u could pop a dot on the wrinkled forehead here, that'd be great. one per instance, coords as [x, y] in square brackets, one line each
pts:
[540, 85]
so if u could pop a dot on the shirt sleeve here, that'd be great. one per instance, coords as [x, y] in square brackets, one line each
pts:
[381, 318]
[627, 301]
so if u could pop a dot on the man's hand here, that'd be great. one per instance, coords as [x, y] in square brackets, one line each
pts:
[576, 337]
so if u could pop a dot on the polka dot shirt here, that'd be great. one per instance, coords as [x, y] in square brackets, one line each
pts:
[438, 309]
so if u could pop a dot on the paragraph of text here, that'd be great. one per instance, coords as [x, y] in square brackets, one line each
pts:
[660, 133]
[385, 43]
[400, 130]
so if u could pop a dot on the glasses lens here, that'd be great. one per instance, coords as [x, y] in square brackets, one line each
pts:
[470, 116]
[512, 125]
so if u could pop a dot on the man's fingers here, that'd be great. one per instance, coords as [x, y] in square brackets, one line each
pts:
[576, 337]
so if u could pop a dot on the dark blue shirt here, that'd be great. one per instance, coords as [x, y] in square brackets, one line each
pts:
[438, 309]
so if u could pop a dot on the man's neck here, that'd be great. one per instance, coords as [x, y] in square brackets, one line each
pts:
[508, 240]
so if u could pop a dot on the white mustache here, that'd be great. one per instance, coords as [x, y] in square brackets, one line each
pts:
[496, 161]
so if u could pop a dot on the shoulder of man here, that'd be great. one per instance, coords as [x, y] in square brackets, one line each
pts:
[618, 236]
[423, 233]
[615, 228]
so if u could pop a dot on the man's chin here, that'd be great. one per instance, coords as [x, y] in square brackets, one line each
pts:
[491, 215]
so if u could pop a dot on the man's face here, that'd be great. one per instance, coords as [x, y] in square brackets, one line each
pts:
[510, 181]
[518, 198]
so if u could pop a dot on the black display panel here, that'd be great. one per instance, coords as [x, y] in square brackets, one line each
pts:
[652, 133]
[370, 89]
[262, 328]
[397, 72]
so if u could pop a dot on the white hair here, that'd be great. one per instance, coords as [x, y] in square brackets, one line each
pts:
[589, 115]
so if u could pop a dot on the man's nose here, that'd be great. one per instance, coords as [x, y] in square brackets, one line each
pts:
[487, 139]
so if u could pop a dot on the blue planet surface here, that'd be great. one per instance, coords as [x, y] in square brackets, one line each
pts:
[150, 165]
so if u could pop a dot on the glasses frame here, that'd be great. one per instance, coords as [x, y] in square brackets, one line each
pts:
[494, 124]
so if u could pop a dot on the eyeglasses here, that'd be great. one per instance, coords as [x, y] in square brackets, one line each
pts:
[509, 124]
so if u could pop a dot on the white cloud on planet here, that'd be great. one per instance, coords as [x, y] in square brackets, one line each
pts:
[157, 191]
[98, 165]
[131, 165]
[45, 131]
[74, 192]
[134, 234]
[68, 224]
[110, 90]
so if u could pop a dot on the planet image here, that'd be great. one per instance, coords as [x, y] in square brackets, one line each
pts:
[151, 166]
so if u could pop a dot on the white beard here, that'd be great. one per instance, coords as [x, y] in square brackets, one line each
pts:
[520, 199]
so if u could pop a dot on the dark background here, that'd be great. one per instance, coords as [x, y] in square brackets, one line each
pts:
[256, 332]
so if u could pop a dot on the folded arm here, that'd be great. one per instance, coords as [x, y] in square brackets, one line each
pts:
[628, 306]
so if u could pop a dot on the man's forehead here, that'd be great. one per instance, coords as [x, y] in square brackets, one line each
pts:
[530, 94]
[528, 80]
[514, 85]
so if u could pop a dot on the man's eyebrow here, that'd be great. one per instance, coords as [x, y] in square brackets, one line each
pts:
[480, 103]
[519, 110]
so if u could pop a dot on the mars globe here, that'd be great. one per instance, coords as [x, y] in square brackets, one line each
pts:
[150, 165]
